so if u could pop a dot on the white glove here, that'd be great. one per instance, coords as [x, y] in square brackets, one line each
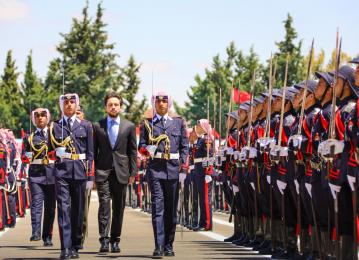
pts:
[268, 179]
[235, 188]
[208, 178]
[296, 186]
[252, 185]
[335, 189]
[182, 177]
[28, 155]
[351, 181]
[230, 151]
[89, 185]
[308, 186]
[281, 186]
[18, 183]
[60, 152]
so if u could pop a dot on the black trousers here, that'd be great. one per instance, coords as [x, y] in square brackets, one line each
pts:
[107, 190]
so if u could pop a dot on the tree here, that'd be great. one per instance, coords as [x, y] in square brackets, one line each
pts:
[344, 58]
[245, 66]
[33, 93]
[88, 63]
[134, 110]
[317, 61]
[288, 47]
[10, 96]
[223, 74]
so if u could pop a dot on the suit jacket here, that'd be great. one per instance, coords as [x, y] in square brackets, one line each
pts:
[122, 158]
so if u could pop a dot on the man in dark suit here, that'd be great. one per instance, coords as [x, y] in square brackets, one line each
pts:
[115, 167]
[73, 142]
[167, 159]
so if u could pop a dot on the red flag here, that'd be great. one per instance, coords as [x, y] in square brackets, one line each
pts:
[240, 96]
[22, 133]
[215, 134]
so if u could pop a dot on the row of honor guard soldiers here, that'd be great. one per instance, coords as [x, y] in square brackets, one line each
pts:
[292, 200]
[288, 195]
[14, 190]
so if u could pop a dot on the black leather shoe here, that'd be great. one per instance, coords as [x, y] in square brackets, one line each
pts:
[65, 254]
[104, 247]
[35, 237]
[200, 229]
[75, 254]
[158, 253]
[48, 242]
[231, 238]
[262, 245]
[169, 252]
[115, 247]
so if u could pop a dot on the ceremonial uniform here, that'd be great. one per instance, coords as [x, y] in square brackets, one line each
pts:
[194, 198]
[203, 182]
[73, 141]
[2, 185]
[42, 183]
[163, 174]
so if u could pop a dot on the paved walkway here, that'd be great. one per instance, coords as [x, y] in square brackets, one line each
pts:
[137, 240]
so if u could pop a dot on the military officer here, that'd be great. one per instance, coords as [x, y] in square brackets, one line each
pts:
[37, 152]
[203, 173]
[72, 139]
[164, 138]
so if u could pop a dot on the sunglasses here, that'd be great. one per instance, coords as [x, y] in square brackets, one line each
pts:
[40, 114]
[162, 98]
[68, 97]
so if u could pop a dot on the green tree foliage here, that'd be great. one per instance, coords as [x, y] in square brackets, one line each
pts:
[236, 68]
[88, 63]
[317, 61]
[33, 93]
[344, 58]
[134, 109]
[288, 46]
[10, 95]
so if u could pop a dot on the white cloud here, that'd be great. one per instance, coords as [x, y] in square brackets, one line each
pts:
[13, 10]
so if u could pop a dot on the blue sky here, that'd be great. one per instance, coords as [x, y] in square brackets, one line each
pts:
[176, 39]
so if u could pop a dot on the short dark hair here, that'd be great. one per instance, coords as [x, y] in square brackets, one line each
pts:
[112, 94]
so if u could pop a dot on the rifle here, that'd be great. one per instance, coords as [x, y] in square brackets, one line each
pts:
[251, 152]
[335, 148]
[231, 182]
[279, 145]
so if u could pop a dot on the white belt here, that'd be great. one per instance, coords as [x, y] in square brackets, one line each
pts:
[173, 156]
[40, 161]
[71, 156]
[198, 160]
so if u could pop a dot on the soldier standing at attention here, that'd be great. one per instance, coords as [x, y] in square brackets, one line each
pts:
[73, 140]
[165, 139]
[37, 152]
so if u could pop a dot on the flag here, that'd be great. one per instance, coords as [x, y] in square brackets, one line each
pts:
[22, 133]
[240, 96]
[215, 133]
